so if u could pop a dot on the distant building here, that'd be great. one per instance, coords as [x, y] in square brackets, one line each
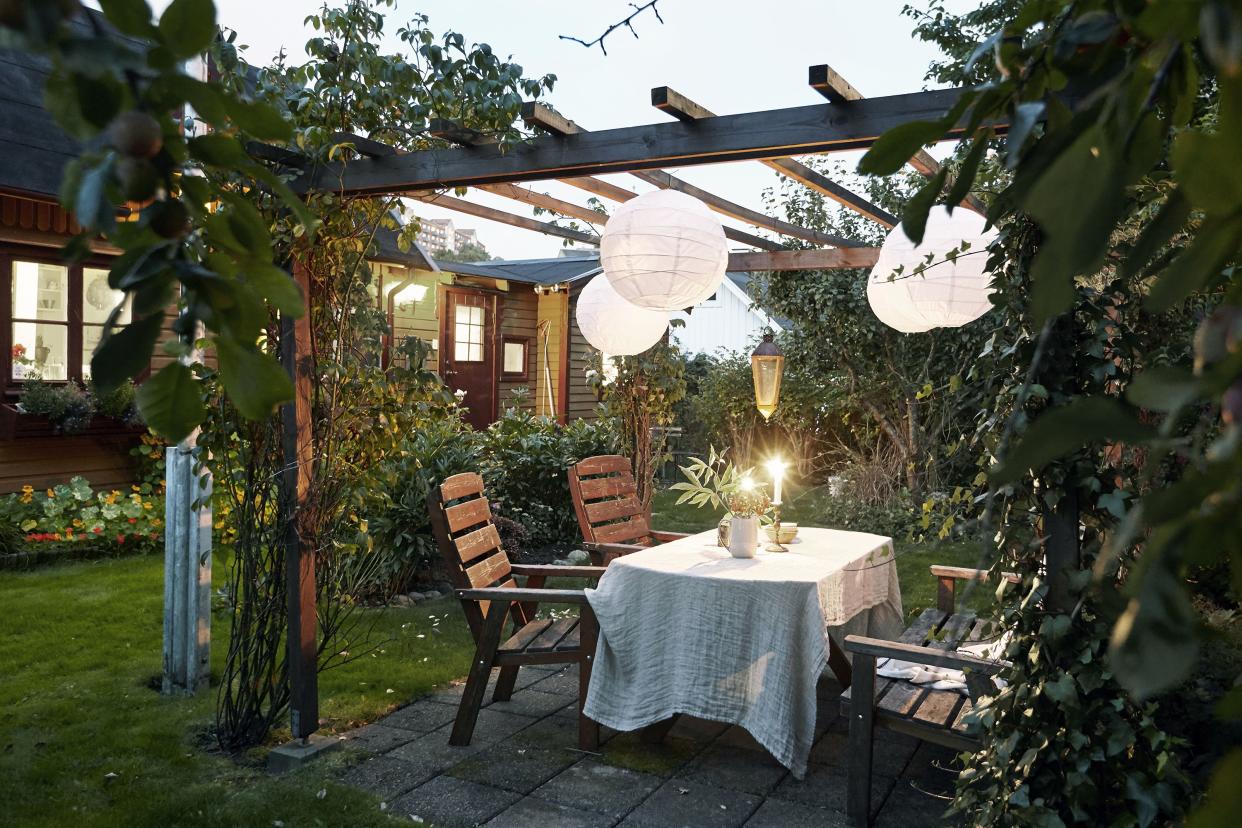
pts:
[437, 234]
[465, 237]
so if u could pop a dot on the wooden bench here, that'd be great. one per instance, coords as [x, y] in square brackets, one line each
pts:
[461, 521]
[936, 716]
[605, 497]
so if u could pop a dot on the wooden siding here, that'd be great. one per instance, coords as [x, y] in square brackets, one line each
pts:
[727, 322]
[551, 318]
[518, 318]
[46, 461]
[420, 319]
[582, 401]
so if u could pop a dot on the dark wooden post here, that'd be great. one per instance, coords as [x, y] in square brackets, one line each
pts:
[298, 447]
[862, 725]
[1061, 550]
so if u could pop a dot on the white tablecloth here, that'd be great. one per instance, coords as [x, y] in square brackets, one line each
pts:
[686, 628]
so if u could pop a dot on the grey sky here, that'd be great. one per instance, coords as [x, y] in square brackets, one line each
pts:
[730, 57]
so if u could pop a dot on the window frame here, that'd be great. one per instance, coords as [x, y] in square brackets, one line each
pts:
[74, 320]
[524, 341]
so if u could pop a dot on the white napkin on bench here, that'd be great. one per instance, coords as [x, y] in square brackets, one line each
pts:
[941, 678]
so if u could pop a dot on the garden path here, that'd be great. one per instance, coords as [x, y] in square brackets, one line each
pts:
[523, 769]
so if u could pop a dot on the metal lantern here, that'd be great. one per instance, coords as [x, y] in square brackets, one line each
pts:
[664, 250]
[615, 326]
[947, 294]
[767, 364]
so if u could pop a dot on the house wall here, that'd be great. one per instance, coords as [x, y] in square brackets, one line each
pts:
[582, 400]
[518, 319]
[553, 309]
[728, 322]
[420, 319]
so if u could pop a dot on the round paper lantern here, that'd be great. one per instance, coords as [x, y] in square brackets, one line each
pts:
[946, 294]
[615, 326]
[664, 250]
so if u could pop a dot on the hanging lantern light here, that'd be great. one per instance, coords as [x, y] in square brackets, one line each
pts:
[767, 364]
[947, 294]
[664, 250]
[615, 326]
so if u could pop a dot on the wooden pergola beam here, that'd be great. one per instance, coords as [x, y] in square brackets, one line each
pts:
[751, 135]
[813, 259]
[538, 115]
[492, 214]
[827, 82]
[832, 259]
[680, 107]
[450, 131]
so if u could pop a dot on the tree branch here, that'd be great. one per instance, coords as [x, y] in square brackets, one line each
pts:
[627, 23]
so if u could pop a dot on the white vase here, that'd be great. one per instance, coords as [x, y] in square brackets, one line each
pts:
[744, 536]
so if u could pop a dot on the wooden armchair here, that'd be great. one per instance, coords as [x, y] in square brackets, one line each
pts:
[605, 500]
[485, 582]
[936, 716]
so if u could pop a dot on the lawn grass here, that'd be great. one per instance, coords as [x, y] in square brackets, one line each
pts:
[84, 740]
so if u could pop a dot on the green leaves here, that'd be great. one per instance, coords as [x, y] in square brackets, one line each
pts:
[255, 381]
[1061, 430]
[126, 353]
[259, 120]
[1154, 645]
[171, 402]
[131, 17]
[1075, 235]
[897, 146]
[275, 285]
[188, 26]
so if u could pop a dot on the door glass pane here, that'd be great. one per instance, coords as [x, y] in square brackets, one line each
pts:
[98, 299]
[461, 351]
[40, 350]
[476, 352]
[40, 291]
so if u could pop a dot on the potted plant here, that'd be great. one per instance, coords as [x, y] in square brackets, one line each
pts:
[713, 481]
[747, 506]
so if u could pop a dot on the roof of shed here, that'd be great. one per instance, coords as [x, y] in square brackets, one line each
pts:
[529, 271]
[34, 147]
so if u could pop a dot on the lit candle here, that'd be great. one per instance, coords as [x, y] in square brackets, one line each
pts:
[776, 468]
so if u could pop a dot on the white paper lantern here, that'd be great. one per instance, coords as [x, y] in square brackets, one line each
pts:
[946, 294]
[664, 250]
[615, 326]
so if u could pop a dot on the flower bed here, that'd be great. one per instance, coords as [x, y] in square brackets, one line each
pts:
[73, 520]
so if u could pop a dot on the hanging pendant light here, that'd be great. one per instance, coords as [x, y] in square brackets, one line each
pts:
[615, 326]
[767, 364]
[947, 294]
[664, 250]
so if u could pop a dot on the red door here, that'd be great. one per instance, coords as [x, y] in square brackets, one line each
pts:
[468, 351]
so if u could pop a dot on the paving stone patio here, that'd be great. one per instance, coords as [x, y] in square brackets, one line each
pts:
[523, 769]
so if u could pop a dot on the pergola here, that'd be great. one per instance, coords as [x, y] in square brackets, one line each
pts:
[568, 153]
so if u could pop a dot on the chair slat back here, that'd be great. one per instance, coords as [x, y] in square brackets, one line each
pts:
[605, 498]
[461, 520]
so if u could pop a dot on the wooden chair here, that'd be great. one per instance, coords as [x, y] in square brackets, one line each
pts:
[931, 715]
[485, 582]
[605, 500]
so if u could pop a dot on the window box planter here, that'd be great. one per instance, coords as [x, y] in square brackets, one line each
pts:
[16, 424]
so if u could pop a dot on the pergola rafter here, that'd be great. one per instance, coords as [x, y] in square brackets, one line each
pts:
[829, 83]
[684, 109]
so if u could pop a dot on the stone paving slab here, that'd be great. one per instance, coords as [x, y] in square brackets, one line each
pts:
[446, 802]
[680, 802]
[523, 767]
[591, 784]
[532, 811]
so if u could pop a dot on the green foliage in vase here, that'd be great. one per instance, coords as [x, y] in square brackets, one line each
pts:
[713, 481]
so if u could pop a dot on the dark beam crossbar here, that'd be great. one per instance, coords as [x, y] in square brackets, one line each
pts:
[753, 135]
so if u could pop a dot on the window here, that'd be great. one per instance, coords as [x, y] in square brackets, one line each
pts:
[468, 332]
[516, 355]
[55, 318]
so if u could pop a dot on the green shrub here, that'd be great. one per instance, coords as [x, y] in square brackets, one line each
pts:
[69, 408]
[73, 514]
[525, 461]
[894, 517]
[400, 527]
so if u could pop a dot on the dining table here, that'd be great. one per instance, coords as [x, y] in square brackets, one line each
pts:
[686, 628]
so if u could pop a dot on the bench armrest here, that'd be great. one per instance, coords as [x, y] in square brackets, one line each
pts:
[550, 571]
[948, 576]
[665, 537]
[879, 648]
[546, 596]
[602, 553]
